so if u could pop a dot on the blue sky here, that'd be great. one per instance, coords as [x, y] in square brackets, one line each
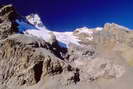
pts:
[66, 15]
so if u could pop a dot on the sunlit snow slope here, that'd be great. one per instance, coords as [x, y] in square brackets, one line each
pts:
[36, 28]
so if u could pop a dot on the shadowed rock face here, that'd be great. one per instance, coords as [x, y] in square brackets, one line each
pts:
[28, 62]
[8, 16]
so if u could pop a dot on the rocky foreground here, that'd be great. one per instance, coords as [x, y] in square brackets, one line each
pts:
[102, 60]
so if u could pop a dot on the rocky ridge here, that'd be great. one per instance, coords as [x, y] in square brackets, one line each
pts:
[102, 59]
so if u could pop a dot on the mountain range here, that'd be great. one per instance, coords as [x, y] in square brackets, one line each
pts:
[35, 57]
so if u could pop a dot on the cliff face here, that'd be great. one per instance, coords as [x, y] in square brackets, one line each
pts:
[101, 59]
[7, 21]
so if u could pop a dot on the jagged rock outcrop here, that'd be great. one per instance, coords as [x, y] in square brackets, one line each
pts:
[102, 59]
[8, 16]
[27, 60]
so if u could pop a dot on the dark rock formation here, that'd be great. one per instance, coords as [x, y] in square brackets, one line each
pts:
[8, 16]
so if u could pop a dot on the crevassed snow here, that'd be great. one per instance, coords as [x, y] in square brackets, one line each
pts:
[36, 28]
[63, 38]
[66, 38]
[39, 33]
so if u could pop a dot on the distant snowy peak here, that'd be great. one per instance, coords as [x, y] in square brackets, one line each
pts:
[87, 30]
[84, 30]
[64, 38]
[99, 28]
[79, 37]
[35, 20]
[86, 33]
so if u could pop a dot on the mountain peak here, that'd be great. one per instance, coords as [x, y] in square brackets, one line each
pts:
[110, 26]
[35, 20]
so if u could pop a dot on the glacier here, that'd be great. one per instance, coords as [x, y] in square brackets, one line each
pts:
[33, 26]
[36, 28]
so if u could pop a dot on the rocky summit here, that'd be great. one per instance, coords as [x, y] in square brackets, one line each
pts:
[34, 57]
